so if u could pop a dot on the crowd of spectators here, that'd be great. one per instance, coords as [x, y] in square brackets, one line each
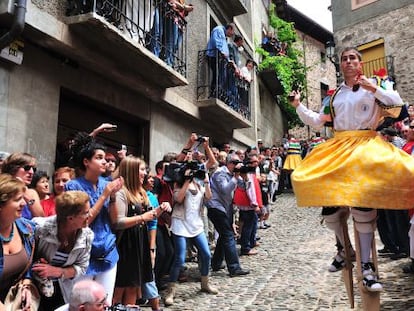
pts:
[107, 219]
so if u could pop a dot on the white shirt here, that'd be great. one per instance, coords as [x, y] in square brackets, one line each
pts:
[353, 110]
[191, 224]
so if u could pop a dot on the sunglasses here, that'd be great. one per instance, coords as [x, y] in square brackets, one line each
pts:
[28, 167]
[411, 126]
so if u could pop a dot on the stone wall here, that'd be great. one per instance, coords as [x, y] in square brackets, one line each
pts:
[397, 29]
[318, 71]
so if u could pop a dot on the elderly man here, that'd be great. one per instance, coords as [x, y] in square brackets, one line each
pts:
[220, 211]
[87, 295]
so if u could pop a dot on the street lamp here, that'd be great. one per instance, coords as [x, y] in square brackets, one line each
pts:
[333, 57]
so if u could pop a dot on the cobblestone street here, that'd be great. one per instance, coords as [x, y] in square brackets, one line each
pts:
[290, 271]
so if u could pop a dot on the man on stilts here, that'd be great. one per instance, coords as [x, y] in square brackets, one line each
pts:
[355, 169]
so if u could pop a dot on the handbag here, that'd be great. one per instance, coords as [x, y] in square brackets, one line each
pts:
[14, 300]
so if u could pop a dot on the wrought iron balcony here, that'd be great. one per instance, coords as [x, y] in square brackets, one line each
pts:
[155, 25]
[386, 62]
[223, 95]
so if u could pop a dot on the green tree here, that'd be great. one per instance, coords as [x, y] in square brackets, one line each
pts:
[288, 68]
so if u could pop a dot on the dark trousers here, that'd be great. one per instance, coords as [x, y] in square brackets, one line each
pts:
[249, 230]
[165, 254]
[226, 244]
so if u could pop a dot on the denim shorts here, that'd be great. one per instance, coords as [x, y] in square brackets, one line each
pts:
[149, 290]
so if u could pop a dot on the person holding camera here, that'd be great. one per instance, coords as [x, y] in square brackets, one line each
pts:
[220, 211]
[187, 223]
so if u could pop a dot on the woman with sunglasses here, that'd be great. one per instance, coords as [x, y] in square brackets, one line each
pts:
[16, 239]
[63, 246]
[23, 166]
[89, 158]
[353, 168]
[134, 214]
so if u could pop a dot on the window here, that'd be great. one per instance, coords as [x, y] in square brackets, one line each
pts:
[356, 4]
[373, 56]
[323, 57]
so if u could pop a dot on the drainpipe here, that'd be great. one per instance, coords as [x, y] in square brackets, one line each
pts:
[17, 26]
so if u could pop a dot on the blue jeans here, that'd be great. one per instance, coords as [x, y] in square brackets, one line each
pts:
[174, 38]
[226, 244]
[180, 243]
[156, 33]
[249, 229]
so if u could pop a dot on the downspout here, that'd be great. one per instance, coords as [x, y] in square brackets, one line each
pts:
[18, 24]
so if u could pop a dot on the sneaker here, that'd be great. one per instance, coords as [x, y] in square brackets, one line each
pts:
[337, 264]
[397, 256]
[370, 279]
[384, 251]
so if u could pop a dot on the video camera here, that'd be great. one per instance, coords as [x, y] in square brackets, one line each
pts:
[175, 172]
[245, 168]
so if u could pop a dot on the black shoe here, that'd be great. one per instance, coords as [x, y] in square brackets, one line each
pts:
[384, 251]
[397, 256]
[239, 272]
[223, 266]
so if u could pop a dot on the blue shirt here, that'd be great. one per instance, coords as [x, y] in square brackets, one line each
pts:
[104, 254]
[218, 42]
[222, 185]
[26, 213]
[153, 201]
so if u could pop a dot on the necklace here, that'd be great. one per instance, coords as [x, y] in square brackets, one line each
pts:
[7, 240]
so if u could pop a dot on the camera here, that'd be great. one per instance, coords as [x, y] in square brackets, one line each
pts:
[176, 172]
[201, 139]
[120, 307]
[245, 168]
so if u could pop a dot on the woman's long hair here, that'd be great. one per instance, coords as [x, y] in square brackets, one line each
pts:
[134, 189]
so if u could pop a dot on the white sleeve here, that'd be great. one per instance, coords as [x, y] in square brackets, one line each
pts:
[310, 117]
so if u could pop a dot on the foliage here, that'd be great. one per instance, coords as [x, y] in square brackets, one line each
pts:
[288, 68]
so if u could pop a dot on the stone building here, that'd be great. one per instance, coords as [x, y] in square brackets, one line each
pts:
[383, 31]
[320, 71]
[79, 63]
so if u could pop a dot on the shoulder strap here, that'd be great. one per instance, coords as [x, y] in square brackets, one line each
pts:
[331, 107]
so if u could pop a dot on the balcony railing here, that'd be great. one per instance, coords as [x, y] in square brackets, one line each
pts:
[386, 62]
[218, 78]
[153, 24]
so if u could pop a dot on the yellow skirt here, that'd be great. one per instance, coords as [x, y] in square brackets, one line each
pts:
[292, 161]
[356, 169]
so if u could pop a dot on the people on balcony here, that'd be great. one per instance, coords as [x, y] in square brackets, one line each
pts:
[218, 56]
[244, 86]
[175, 25]
[233, 77]
[270, 44]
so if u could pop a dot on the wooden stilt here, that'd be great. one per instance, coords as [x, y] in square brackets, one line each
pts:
[370, 300]
[347, 270]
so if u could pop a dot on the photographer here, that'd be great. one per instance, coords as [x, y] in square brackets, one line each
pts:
[186, 223]
[220, 212]
[194, 138]
[247, 198]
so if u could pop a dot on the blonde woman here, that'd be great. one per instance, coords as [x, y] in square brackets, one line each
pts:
[134, 211]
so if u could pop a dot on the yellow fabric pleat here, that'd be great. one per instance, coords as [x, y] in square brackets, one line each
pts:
[355, 168]
[292, 161]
